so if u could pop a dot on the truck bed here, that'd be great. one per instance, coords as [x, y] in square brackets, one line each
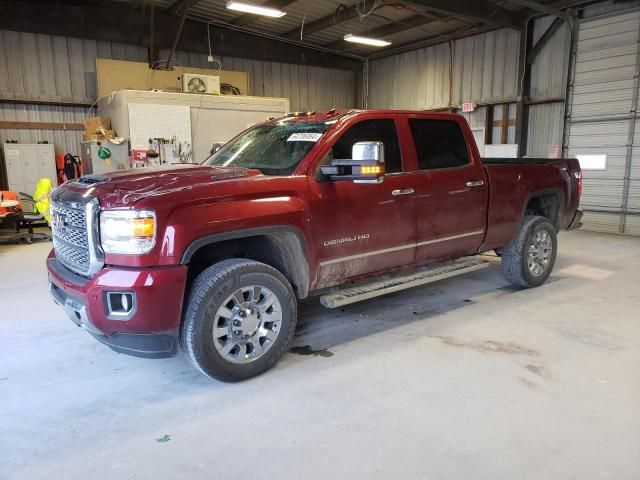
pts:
[512, 181]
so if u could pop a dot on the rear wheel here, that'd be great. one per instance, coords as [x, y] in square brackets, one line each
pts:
[529, 258]
[240, 318]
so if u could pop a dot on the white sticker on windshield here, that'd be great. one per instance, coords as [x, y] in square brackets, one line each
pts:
[304, 137]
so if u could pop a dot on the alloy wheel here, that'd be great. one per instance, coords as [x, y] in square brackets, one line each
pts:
[247, 324]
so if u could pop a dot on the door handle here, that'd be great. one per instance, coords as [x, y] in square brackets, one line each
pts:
[403, 191]
[475, 183]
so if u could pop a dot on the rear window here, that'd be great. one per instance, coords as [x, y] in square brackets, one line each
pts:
[439, 144]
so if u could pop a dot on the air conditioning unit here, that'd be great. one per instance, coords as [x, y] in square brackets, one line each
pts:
[195, 83]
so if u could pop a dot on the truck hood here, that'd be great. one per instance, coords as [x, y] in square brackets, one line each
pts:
[123, 188]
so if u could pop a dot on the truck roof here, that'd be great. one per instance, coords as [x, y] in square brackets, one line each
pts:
[336, 114]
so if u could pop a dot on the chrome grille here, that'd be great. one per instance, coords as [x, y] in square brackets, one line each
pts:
[73, 229]
[75, 232]
[75, 217]
[75, 258]
[69, 228]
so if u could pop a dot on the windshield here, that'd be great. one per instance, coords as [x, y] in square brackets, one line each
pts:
[274, 149]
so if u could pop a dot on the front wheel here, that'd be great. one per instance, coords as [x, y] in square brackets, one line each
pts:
[240, 318]
[528, 260]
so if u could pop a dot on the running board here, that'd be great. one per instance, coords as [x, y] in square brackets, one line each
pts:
[382, 287]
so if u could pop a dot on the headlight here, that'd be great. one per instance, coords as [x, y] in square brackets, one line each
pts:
[127, 231]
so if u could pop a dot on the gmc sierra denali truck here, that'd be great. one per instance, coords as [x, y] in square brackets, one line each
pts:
[345, 205]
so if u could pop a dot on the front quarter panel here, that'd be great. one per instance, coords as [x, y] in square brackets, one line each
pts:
[261, 202]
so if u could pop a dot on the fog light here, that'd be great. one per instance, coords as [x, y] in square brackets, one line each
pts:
[120, 303]
[124, 301]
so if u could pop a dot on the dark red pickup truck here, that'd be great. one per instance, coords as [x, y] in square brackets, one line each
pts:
[214, 257]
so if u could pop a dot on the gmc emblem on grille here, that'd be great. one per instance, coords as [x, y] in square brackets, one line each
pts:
[58, 220]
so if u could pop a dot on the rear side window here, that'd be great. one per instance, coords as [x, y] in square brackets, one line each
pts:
[383, 130]
[439, 144]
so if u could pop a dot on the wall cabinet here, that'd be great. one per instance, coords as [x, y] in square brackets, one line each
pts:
[27, 163]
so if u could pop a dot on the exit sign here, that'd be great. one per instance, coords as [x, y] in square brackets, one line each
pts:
[468, 107]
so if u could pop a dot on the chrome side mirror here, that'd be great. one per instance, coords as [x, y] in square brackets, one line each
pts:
[365, 166]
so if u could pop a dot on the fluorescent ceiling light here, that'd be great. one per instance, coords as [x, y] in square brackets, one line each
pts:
[374, 42]
[255, 9]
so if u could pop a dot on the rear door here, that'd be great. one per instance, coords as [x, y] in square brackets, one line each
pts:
[452, 190]
[364, 228]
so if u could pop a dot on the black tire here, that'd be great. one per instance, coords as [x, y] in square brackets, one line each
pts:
[514, 255]
[208, 292]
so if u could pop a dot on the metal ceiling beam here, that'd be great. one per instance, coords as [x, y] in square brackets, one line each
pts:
[544, 38]
[539, 7]
[431, 41]
[248, 18]
[562, 4]
[475, 11]
[524, 88]
[391, 28]
[176, 38]
[106, 22]
[176, 7]
[341, 15]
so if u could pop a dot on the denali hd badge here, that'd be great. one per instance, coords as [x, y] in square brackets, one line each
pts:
[228, 175]
[338, 241]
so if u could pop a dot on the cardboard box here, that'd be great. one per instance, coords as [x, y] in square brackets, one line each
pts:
[96, 124]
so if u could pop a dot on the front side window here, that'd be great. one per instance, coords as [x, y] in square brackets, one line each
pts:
[383, 130]
[274, 149]
[439, 144]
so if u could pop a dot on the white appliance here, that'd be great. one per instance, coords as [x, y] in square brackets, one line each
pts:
[213, 118]
[27, 163]
[195, 83]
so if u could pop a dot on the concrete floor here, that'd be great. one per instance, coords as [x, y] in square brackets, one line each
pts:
[465, 379]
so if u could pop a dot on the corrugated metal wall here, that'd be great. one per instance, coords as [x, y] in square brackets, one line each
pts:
[484, 71]
[52, 69]
[64, 140]
[56, 69]
[307, 87]
[548, 80]
[611, 6]
[603, 120]
[60, 69]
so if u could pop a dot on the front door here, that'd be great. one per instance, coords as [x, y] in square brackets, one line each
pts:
[364, 228]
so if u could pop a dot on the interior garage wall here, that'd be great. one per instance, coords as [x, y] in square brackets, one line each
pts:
[307, 87]
[64, 140]
[548, 81]
[603, 119]
[484, 71]
[49, 68]
[61, 69]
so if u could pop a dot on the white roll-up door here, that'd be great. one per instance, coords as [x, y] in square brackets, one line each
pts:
[602, 128]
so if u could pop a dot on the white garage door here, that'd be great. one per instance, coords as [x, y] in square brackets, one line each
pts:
[602, 128]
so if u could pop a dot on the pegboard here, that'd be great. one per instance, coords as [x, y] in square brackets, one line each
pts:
[148, 120]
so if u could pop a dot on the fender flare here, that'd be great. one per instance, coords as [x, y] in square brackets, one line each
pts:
[296, 251]
[539, 193]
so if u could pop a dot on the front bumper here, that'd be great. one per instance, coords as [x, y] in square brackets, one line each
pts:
[151, 331]
[576, 222]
